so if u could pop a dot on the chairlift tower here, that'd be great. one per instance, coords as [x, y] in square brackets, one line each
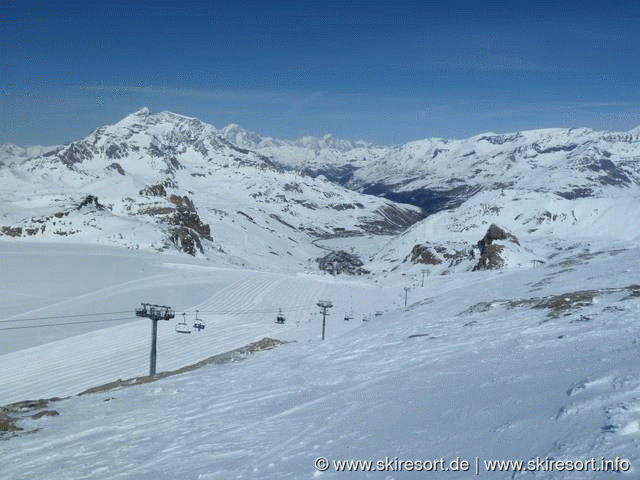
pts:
[154, 313]
[424, 270]
[324, 305]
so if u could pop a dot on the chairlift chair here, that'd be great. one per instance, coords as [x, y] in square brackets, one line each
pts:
[198, 324]
[280, 317]
[182, 327]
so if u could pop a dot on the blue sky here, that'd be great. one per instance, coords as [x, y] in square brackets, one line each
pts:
[382, 71]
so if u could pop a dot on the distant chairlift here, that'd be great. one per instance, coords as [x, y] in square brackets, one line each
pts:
[198, 324]
[182, 327]
[280, 317]
[348, 316]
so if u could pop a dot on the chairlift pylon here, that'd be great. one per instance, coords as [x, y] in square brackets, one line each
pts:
[182, 327]
[198, 324]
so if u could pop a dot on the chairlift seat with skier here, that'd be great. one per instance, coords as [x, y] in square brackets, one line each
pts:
[182, 327]
[198, 324]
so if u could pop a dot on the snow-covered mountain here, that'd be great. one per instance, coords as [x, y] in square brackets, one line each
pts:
[538, 184]
[159, 181]
[441, 173]
[163, 181]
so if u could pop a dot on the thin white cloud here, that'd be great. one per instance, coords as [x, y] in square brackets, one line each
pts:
[203, 93]
[494, 63]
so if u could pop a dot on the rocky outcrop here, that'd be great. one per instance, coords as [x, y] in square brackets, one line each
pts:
[156, 190]
[424, 255]
[90, 201]
[491, 254]
[186, 240]
[189, 227]
[340, 262]
[115, 166]
[186, 216]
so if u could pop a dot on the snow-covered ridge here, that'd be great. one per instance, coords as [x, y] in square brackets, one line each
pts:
[249, 198]
[164, 181]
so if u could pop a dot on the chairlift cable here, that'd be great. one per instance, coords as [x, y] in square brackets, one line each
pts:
[52, 317]
[296, 308]
[21, 327]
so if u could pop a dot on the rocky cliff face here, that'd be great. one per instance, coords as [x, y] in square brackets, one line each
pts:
[490, 251]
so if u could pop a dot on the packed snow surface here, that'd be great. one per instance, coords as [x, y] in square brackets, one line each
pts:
[521, 364]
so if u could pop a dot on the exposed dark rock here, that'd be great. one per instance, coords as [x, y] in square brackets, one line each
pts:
[190, 220]
[155, 151]
[557, 148]
[248, 217]
[423, 254]
[13, 412]
[76, 152]
[292, 187]
[455, 257]
[500, 139]
[339, 262]
[343, 206]
[190, 228]
[156, 190]
[576, 193]
[183, 203]
[45, 413]
[157, 211]
[173, 164]
[186, 240]
[11, 231]
[495, 233]
[277, 218]
[117, 167]
[490, 254]
[114, 151]
[27, 405]
[438, 151]
[91, 201]
[610, 173]
[7, 424]
[490, 259]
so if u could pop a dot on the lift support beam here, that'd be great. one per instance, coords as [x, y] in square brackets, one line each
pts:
[154, 313]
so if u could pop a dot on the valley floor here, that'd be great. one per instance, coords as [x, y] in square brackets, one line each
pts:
[518, 365]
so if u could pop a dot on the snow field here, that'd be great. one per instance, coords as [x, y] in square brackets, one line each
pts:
[440, 379]
[238, 307]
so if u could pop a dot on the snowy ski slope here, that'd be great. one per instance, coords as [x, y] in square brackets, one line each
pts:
[238, 306]
[478, 366]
